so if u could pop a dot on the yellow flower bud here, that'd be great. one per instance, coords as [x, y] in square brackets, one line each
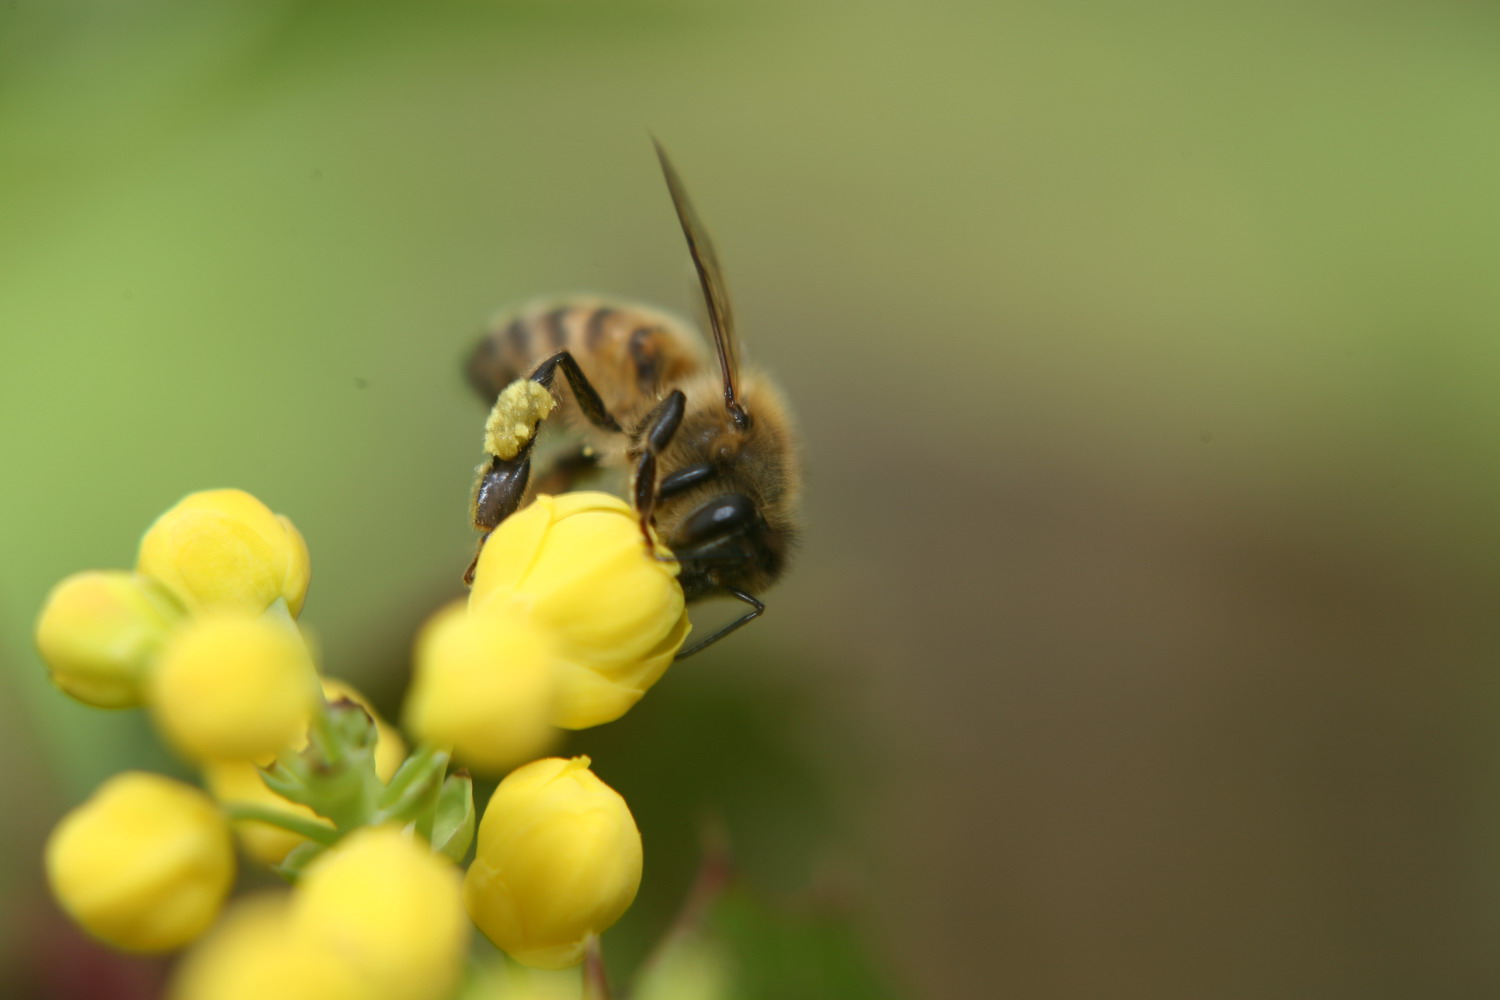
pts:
[576, 565]
[389, 908]
[234, 688]
[238, 782]
[225, 549]
[558, 858]
[484, 685]
[255, 953]
[144, 864]
[99, 631]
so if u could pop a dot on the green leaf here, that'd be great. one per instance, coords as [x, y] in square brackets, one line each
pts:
[453, 820]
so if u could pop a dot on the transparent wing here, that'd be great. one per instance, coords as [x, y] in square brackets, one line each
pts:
[715, 291]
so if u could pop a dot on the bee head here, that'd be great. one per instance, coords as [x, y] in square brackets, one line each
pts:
[725, 542]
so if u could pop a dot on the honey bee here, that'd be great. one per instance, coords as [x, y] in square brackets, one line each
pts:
[709, 449]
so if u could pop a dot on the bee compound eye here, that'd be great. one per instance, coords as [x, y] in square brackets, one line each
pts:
[725, 516]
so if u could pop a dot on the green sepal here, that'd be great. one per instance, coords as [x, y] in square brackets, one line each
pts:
[412, 794]
[334, 775]
[453, 819]
[287, 777]
[350, 729]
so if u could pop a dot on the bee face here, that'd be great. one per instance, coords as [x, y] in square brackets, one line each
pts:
[725, 544]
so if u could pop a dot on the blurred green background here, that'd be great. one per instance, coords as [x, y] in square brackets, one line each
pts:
[1144, 641]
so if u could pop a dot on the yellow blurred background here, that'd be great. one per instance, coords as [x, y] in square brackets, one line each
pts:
[1144, 640]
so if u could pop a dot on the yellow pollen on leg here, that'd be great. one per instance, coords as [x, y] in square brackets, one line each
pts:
[512, 423]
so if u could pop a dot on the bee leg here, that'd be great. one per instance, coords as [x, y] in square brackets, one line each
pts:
[474, 563]
[511, 430]
[661, 424]
[589, 402]
[756, 608]
[502, 483]
[503, 480]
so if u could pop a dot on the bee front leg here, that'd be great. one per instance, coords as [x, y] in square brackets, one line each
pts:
[502, 483]
[662, 424]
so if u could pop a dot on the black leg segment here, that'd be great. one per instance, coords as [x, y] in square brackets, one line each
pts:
[661, 425]
[756, 608]
[500, 489]
[589, 402]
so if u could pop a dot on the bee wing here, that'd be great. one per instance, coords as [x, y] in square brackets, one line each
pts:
[711, 277]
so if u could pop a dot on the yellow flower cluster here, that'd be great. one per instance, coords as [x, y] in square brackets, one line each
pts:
[200, 633]
[569, 622]
[569, 619]
[194, 632]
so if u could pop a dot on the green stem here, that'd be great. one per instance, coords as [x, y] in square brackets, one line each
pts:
[595, 980]
[311, 829]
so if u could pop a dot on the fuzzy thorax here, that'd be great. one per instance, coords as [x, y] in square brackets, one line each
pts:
[512, 423]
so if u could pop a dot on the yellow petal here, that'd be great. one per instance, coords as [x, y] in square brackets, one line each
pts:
[577, 566]
[511, 549]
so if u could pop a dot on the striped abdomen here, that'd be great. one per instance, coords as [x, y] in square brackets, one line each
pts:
[633, 355]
